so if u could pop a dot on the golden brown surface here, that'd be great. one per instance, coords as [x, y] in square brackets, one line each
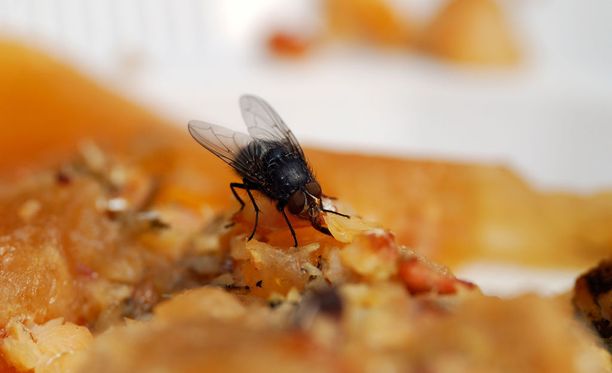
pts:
[380, 327]
[370, 20]
[468, 32]
[373, 22]
[456, 212]
[50, 347]
[450, 211]
[47, 107]
[471, 31]
[93, 233]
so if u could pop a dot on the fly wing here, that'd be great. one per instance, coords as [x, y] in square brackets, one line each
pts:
[264, 123]
[224, 143]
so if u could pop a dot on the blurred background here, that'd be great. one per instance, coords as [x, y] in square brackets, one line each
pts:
[527, 83]
[523, 83]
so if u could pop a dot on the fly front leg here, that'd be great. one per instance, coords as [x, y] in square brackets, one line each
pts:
[331, 211]
[317, 225]
[336, 213]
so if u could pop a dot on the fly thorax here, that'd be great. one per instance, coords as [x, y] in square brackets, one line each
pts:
[291, 175]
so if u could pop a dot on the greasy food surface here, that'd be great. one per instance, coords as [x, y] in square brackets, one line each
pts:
[381, 326]
[117, 253]
[448, 211]
[94, 241]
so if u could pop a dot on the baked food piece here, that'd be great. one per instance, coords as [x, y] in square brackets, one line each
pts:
[473, 32]
[451, 212]
[373, 21]
[329, 305]
[122, 228]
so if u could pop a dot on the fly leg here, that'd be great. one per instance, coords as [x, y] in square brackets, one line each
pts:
[317, 225]
[233, 187]
[248, 188]
[256, 212]
[332, 212]
[282, 210]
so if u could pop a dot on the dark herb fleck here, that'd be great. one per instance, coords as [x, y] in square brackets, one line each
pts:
[603, 327]
[62, 178]
[599, 279]
[329, 302]
[159, 224]
[326, 302]
[274, 303]
[238, 288]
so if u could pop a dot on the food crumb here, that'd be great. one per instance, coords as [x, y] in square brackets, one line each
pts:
[330, 302]
[259, 283]
[93, 156]
[288, 45]
[6, 250]
[29, 209]
[116, 204]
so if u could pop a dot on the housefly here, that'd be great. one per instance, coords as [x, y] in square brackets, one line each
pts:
[270, 160]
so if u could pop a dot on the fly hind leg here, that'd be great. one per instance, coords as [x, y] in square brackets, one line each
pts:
[233, 187]
[256, 213]
[248, 188]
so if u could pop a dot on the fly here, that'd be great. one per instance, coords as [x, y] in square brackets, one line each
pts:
[270, 160]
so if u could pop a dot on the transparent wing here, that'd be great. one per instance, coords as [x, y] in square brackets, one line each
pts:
[222, 142]
[264, 123]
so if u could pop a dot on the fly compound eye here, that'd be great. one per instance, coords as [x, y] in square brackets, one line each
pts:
[296, 202]
[314, 189]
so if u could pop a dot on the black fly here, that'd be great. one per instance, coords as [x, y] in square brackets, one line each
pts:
[270, 161]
